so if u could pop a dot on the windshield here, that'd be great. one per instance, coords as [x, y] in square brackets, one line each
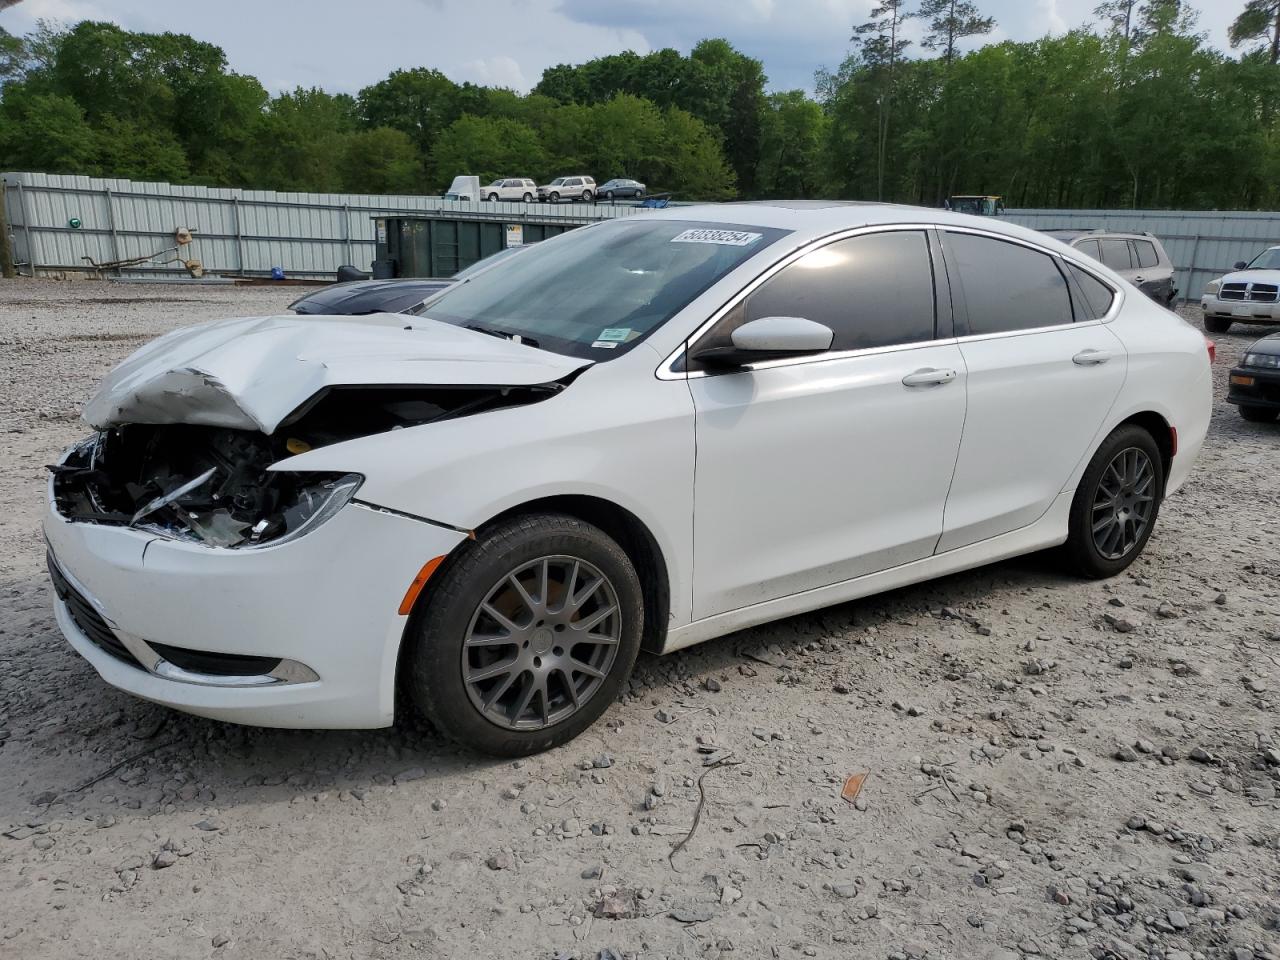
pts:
[1267, 260]
[557, 181]
[597, 291]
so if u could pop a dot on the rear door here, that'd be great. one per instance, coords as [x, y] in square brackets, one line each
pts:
[1043, 372]
[816, 470]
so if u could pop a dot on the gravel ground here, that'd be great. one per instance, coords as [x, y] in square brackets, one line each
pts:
[1055, 768]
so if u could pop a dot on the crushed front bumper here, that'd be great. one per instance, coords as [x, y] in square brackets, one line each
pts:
[1241, 311]
[304, 634]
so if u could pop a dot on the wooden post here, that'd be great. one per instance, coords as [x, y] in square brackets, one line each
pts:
[6, 248]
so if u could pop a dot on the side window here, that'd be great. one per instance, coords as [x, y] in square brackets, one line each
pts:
[874, 290]
[1146, 250]
[1089, 248]
[1097, 295]
[1115, 254]
[1008, 286]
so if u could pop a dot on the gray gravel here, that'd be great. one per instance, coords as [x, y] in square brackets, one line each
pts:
[988, 708]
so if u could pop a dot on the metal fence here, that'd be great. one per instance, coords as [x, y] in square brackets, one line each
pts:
[239, 232]
[248, 232]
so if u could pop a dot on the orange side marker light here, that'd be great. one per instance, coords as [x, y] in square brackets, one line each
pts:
[420, 581]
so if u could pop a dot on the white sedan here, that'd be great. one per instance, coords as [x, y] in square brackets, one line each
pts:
[488, 509]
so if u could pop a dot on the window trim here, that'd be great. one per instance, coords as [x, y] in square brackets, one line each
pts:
[942, 284]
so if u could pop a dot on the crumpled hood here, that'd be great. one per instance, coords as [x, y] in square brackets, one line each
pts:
[1253, 276]
[252, 373]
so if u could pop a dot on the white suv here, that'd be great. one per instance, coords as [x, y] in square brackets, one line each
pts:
[510, 189]
[568, 188]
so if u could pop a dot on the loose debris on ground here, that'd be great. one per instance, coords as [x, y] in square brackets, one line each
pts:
[1058, 768]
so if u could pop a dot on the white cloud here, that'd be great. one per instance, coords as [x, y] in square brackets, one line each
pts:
[495, 72]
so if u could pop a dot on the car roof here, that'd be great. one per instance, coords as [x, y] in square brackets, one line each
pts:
[818, 218]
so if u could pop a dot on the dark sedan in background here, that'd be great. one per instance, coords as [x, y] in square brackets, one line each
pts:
[357, 297]
[1255, 384]
[620, 187]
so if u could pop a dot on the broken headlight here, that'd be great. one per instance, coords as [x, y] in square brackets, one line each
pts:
[317, 502]
[210, 486]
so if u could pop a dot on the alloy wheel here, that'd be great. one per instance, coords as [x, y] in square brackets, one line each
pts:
[1123, 503]
[541, 643]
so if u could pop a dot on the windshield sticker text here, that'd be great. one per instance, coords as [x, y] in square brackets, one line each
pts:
[619, 334]
[727, 238]
[606, 344]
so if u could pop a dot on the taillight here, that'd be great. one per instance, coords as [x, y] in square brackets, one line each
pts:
[1212, 348]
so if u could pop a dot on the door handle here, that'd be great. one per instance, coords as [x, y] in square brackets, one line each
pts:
[1139, 279]
[1091, 358]
[928, 377]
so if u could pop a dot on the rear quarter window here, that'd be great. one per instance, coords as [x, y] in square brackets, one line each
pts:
[1146, 251]
[1008, 287]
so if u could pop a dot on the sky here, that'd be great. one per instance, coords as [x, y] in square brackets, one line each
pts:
[342, 46]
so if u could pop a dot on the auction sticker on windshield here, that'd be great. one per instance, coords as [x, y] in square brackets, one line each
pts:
[727, 238]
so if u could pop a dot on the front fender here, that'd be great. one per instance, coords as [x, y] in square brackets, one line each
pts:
[616, 433]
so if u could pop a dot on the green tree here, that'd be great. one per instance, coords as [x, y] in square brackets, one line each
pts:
[881, 45]
[421, 102]
[487, 147]
[381, 160]
[126, 149]
[951, 21]
[1259, 20]
[46, 132]
[793, 140]
[695, 164]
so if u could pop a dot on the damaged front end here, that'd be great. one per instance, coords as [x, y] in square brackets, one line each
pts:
[214, 485]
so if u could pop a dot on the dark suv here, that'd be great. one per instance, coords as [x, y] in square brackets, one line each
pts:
[1138, 257]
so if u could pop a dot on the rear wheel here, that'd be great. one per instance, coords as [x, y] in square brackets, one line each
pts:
[1116, 504]
[528, 198]
[528, 636]
[1259, 414]
[586, 196]
[1217, 324]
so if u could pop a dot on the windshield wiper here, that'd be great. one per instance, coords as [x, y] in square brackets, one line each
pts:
[503, 334]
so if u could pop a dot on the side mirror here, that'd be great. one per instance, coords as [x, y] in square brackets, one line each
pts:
[769, 338]
[1240, 265]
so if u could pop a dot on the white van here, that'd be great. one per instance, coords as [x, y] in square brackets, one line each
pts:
[463, 188]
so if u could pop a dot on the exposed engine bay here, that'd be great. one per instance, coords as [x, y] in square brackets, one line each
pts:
[213, 485]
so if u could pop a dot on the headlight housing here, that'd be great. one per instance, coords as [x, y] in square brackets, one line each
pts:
[1264, 361]
[1212, 287]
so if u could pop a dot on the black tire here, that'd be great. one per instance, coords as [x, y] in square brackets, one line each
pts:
[608, 194]
[1217, 324]
[586, 196]
[528, 198]
[554, 198]
[439, 628]
[1081, 550]
[493, 198]
[1259, 414]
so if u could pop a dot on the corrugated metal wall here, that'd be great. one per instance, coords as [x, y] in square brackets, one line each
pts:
[1203, 244]
[236, 231]
[312, 234]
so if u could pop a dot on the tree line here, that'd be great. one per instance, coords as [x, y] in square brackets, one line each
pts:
[1135, 109]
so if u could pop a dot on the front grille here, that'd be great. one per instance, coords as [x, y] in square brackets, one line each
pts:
[87, 618]
[1252, 292]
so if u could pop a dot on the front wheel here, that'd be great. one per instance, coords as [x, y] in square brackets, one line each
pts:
[1259, 414]
[528, 636]
[1116, 504]
[1217, 324]
[554, 198]
[608, 194]
[493, 198]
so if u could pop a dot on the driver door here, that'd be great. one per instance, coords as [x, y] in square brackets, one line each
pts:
[815, 470]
